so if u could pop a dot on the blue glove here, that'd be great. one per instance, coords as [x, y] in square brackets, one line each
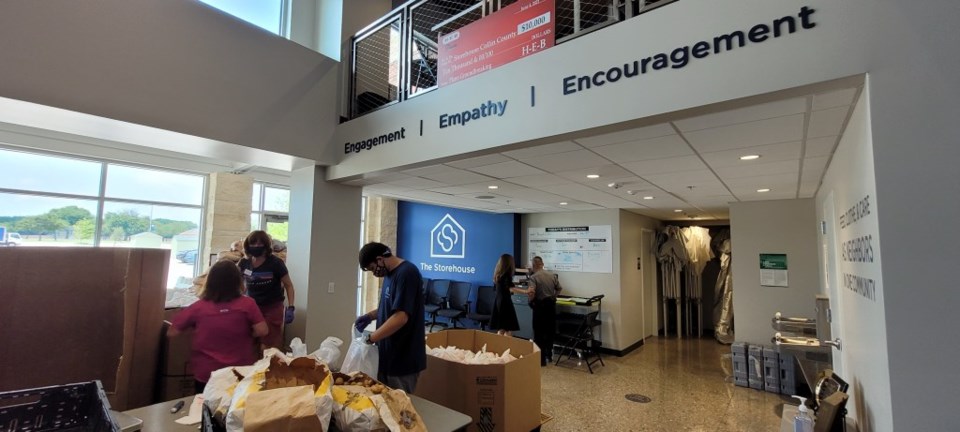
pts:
[288, 315]
[362, 322]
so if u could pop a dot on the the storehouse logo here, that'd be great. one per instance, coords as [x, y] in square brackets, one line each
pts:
[448, 239]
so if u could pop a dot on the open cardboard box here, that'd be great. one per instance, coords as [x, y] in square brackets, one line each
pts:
[499, 397]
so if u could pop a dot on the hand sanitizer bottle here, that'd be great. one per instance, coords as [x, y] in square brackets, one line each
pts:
[803, 422]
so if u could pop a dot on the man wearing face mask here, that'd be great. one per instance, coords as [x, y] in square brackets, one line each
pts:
[400, 329]
[267, 280]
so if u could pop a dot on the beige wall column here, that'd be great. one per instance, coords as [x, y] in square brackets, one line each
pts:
[228, 213]
[322, 256]
[381, 226]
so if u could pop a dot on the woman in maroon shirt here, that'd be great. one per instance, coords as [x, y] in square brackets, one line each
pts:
[225, 322]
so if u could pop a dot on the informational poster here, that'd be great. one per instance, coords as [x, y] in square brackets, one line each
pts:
[573, 249]
[516, 31]
[773, 270]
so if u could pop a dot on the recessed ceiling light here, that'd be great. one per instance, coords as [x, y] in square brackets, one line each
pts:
[677, 211]
[648, 197]
[749, 157]
[493, 187]
[593, 176]
[563, 203]
[763, 190]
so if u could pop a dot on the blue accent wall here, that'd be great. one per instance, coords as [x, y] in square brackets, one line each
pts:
[484, 237]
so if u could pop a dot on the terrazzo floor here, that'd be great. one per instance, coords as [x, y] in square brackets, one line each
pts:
[688, 381]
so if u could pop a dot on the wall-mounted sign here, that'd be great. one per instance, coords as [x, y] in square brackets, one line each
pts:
[573, 248]
[773, 270]
[514, 32]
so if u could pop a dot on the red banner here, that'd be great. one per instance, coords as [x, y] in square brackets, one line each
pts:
[516, 31]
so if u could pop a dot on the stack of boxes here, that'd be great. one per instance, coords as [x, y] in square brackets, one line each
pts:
[763, 368]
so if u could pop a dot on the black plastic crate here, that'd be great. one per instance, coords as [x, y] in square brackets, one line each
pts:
[81, 407]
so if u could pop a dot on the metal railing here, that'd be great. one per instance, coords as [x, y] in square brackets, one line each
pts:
[395, 58]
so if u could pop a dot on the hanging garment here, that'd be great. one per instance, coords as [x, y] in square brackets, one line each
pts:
[724, 327]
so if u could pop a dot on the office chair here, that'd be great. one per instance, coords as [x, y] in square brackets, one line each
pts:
[486, 296]
[435, 299]
[458, 303]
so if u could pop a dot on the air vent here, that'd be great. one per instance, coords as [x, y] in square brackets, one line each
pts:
[485, 197]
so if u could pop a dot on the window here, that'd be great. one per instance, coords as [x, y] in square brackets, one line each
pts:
[266, 14]
[97, 203]
[363, 229]
[271, 210]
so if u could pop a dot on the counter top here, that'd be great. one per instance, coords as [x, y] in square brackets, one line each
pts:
[157, 417]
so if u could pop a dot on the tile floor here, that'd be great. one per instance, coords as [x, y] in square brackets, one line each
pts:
[689, 382]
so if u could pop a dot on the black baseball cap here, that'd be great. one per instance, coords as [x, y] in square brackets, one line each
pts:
[370, 251]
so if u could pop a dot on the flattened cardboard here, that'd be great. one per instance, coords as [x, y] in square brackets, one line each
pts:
[100, 308]
[501, 397]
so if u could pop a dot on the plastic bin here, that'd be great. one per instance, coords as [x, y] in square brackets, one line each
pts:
[755, 366]
[81, 407]
[739, 357]
[771, 370]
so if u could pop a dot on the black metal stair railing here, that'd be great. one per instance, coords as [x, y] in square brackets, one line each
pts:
[396, 57]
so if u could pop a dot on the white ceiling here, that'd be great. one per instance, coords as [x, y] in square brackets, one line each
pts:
[690, 164]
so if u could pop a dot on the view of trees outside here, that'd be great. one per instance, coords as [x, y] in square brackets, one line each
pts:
[75, 223]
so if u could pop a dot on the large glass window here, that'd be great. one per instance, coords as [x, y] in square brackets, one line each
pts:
[266, 14]
[271, 210]
[51, 200]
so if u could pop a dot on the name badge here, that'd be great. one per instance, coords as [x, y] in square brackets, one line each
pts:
[248, 272]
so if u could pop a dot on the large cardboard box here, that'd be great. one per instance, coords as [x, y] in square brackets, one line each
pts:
[175, 353]
[502, 397]
[75, 314]
[176, 387]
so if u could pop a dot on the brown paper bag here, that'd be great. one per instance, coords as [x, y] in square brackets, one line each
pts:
[289, 409]
[397, 412]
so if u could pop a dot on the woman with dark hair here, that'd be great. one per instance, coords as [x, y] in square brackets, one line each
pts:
[226, 324]
[504, 317]
[267, 280]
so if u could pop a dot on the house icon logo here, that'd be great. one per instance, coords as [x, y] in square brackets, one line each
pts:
[448, 239]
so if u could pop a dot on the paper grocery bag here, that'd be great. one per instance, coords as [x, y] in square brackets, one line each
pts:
[289, 409]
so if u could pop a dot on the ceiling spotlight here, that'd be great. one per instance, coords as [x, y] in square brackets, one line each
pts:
[614, 185]
[677, 211]
[563, 203]
[749, 157]
[493, 187]
[630, 192]
[648, 197]
[763, 190]
[593, 176]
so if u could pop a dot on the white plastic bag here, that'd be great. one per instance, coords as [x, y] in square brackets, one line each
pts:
[361, 356]
[329, 352]
[298, 348]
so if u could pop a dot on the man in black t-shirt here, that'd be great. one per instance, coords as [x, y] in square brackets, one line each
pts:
[400, 330]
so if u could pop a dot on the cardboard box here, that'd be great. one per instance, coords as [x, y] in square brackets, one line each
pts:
[176, 387]
[501, 397]
[175, 353]
[73, 324]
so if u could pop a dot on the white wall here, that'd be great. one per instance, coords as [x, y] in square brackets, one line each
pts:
[806, 57]
[622, 317]
[637, 285]
[860, 321]
[779, 227]
[177, 65]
